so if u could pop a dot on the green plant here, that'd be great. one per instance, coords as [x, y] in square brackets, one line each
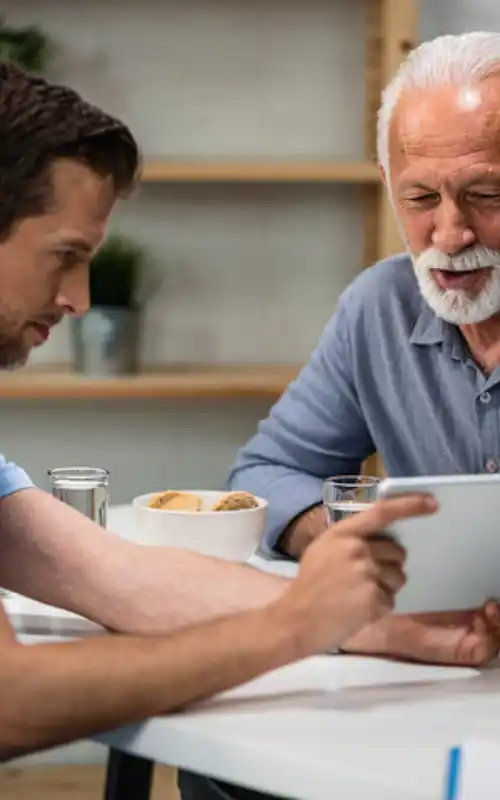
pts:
[27, 47]
[117, 274]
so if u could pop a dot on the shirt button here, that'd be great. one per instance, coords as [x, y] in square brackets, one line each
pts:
[491, 465]
[485, 397]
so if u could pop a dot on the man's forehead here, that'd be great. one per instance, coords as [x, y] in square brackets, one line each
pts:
[447, 120]
[51, 231]
[77, 189]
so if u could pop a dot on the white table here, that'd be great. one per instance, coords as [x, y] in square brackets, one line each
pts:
[326, 728]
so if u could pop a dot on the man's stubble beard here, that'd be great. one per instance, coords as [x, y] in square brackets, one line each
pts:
[14, 352]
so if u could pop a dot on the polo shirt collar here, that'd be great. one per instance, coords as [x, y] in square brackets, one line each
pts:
[428, 328]
[431, 330]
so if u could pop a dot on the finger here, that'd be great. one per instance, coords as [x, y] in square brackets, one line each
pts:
[385, 599]
[386, 551]
[480, 627]
[390, 578]
[485, 640]
[383, 513]
[491, 613]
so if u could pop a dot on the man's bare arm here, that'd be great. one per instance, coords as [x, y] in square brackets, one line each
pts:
[6, 633]
[52, 553]
[57, 693]
[302, 531]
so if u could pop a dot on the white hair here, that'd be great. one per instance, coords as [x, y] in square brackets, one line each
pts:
[450, 60]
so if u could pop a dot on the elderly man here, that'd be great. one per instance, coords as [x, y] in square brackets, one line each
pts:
[409, 365]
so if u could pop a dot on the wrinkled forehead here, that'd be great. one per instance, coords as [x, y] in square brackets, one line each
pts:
[446, 121]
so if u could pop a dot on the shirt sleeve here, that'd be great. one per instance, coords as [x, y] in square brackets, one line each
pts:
[12, 478]
[315, 430]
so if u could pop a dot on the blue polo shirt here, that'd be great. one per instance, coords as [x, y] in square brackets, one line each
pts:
[12, 478]
[387, 375]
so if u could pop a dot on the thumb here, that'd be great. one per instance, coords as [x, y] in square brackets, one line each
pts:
[459, 646]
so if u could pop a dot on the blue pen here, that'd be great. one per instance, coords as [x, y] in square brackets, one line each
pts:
[453, 775]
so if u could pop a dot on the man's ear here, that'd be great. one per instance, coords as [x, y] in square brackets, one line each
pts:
[383, 176]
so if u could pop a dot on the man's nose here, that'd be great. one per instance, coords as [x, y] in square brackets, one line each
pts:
[452, 232]
[73, 296]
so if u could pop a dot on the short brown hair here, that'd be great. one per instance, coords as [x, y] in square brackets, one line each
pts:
[41, 122]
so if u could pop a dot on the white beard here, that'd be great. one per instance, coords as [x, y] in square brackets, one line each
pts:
[454, 305]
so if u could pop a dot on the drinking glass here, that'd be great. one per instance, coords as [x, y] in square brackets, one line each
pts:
[83, 488]
[344, 495]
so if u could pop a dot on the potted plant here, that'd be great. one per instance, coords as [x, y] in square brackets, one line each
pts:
[27, 47]
[106, 339]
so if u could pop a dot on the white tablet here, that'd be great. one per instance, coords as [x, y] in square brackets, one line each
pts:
[453, 556]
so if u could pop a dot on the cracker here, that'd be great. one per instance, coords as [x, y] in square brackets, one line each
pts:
[176, 501]
[235, 501]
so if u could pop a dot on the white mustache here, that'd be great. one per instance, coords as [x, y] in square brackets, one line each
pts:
[473, 258]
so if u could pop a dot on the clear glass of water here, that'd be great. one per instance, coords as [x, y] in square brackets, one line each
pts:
[83, 488]
[344, 495]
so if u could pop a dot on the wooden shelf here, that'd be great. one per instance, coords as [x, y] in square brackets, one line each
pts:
[265, 382]
[362, 172]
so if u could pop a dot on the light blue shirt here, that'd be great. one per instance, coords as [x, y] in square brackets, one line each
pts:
[12, 478]
[387, 375]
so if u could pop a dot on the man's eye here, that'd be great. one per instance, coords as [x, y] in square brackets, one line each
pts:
[68, 260]
[494, 196]
[422, 198]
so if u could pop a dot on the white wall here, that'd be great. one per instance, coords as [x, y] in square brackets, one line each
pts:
[458, 16]
[214, 78]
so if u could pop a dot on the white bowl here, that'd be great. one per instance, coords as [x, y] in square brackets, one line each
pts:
[230, 535]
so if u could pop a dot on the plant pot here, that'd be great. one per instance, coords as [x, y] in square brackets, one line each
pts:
[106, 341]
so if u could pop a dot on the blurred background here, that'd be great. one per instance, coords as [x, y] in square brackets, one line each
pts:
[260, 202]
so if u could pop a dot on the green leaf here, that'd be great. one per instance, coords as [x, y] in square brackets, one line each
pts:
[117, 272]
